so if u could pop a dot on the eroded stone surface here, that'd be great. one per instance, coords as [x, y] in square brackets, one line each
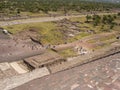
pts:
[103, 74]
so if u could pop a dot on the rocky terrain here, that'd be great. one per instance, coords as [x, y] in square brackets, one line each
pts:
[96, 60]
[103, 74]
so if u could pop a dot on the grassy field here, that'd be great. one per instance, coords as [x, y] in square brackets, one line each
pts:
[102, 39]
[77, 37]
[33, 14]
[49, 33]
[98, 29]
[68, 53]
[42, 27]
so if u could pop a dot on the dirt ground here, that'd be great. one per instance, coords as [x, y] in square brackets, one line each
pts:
[41, 19]
[11, 50]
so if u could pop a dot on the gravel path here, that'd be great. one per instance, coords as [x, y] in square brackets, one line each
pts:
[41, 19]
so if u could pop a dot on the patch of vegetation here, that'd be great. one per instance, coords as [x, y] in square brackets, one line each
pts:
[47, 31]
[79, 36]
[78, 19]
[105, 43]
[98, 23]
[103, 20]
[68, 53]
[102, 39]
[42, 27]
[51, 37]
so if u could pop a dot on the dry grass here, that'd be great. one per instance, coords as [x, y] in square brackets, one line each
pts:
[68, 53]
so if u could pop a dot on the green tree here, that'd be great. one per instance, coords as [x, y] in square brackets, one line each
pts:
[18, 11]
[104, 19]
[111, 26]
[96, 20]
[118, 14]
[114, 16]
[88, 17]
[110, 19]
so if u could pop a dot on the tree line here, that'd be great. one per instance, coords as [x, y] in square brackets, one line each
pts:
[17, 6]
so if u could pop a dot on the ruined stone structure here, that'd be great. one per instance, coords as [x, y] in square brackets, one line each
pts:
[45, 59]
